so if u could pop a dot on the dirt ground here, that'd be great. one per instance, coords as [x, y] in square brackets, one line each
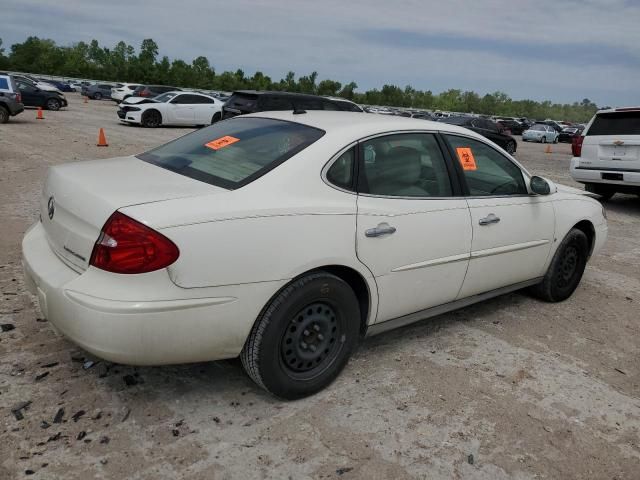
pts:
[510, 388]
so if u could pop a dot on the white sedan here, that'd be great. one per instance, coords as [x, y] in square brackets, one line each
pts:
[284, 238]
[171, 108]
[540, 133]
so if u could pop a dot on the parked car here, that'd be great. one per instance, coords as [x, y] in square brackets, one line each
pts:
[344, 104]
[123, 92]
[62, 86]
[150, 91]
[27, 79]
[606, 158]
[569, 133]
[10, 98]
[35, 97]
[514, 127]
[250, 101]
[276, 238]
[485, 127]
[542, 133]
[172, 108]
[97, 91]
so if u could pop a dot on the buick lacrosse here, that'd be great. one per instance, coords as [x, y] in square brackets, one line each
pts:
[286, 237]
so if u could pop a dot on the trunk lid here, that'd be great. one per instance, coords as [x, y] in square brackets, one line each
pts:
[78, 198]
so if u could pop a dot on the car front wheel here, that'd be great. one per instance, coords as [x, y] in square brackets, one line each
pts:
[510, 148]
[4, 115]
[53, 104]
[566, 269]
[304, 337]
[97, 96]
[543, 140]
[151, 119]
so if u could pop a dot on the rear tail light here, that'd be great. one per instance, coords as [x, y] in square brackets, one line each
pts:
[576, 145]
[127, 246]
[19, 97]
[144, 93]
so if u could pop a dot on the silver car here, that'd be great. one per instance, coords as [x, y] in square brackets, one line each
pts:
[540, 133]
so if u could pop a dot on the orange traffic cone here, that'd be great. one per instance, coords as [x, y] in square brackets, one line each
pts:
[40, 115]
[102, 140]
[548, 149]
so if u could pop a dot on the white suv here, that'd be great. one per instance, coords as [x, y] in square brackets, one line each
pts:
[118, 94]
[606, 158]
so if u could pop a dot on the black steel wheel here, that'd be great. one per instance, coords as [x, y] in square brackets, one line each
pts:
[151, 119]
[304, 337]
[4, 115]
[566, 269]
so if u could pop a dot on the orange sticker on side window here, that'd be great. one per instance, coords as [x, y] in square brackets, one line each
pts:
[221, 142]
[466, 158]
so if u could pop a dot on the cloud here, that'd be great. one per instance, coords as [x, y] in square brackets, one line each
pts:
[562, 50]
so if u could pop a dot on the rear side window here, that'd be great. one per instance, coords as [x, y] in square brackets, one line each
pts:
[275, 103]
[233, 153]
[341, 172]
[244, 103]
[4, 83]
[615, 123]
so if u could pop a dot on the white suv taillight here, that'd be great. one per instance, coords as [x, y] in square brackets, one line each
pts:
[576, 145]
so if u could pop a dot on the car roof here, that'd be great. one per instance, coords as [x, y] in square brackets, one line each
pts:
[282, 94]
[619, 109]
[361, 124]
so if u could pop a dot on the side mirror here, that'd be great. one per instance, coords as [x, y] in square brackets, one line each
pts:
[539, 186]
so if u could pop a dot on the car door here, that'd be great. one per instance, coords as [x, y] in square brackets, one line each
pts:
[30, 95]
[413, 229]
[513, 231]
[181, 110]
[204, 109]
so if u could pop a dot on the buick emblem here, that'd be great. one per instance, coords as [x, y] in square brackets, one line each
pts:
[618, 142]
[51, 207]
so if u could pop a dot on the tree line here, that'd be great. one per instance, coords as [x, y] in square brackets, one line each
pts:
[123, 63]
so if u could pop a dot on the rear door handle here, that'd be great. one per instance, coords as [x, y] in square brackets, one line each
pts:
[381, 229]
[489, 219]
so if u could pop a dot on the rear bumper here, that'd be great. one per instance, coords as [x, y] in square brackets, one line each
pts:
[15, 108]
[140, 319]
[580, 174]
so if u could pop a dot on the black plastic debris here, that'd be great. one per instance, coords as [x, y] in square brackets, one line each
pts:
[175, 432]
[105, 440]
[29, 472]
[7, 327]
[44, 424]
[18, 408]
[342, 471]
[81, 435]
[49, 365]
[470, 459]
[41, 376]
[76, 416]
[55, 437]
[59, 416]
[126, 414]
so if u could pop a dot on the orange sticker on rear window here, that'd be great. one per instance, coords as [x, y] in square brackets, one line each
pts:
[221, 142]
[466, 158]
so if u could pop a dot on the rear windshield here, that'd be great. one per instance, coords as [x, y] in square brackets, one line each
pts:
[243, 102]
[235, 152]
[539, 128]
[616, 123]
[455, 120]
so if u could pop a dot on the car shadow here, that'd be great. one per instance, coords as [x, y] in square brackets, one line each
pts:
[622, 203]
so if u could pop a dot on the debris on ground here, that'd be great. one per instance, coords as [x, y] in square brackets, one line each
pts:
[18, 409]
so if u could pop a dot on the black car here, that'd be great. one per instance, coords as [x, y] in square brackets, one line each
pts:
[569, 133]
[150, 91]
[486, 128]
[514, 126]
[250, 101]
[10, 98]
[32, 96]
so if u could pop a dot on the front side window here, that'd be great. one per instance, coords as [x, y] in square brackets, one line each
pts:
[233, 153]
[404, 165]
[486, 171]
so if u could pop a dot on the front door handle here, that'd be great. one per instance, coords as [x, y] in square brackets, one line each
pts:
[489, 219]
[381, 229]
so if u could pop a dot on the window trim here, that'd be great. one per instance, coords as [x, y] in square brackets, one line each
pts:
[460, 173]
[354, 173]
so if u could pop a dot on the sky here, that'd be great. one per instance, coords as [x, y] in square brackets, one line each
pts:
[558, 50]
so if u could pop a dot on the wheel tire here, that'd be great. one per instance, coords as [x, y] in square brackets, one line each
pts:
[317, 310]
[566, 269]
[4, 115]
[97, 96]
[53, 104]
[216, 118]
[151, 119]
[605, 191]
[510, 148]
[555, 140]
[543, 140]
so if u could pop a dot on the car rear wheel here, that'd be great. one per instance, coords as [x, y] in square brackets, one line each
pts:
[605, 191]
[304, 337]
[566, 269]
[97, 96]
[4, 115]
[151, 119]
[53, 104]
[216, 118]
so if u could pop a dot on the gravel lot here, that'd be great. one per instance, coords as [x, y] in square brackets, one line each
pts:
[511, 388]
